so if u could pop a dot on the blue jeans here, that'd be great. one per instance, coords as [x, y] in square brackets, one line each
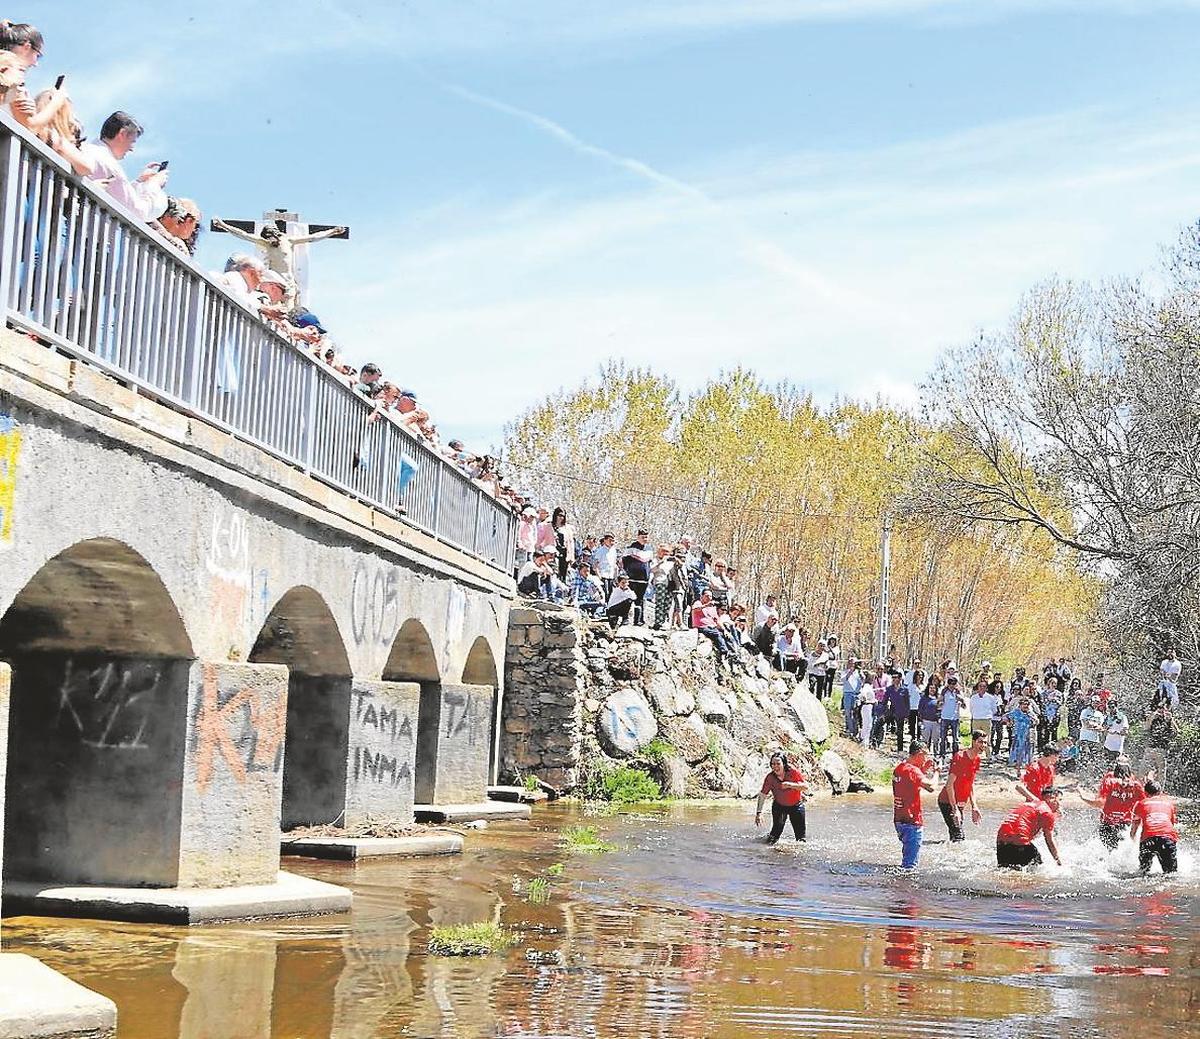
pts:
[910, 841]
[948, 738]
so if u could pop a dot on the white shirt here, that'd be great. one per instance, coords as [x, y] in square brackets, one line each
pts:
[762, 613]
[1091, 725]
[818, 663]
[147, 202]
[1115, 730]
[1171, 669]
[606, 561]
[619, 595]
[236, 286]
[789, 647]
[983, 705]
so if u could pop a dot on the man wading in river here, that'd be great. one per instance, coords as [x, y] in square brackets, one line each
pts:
[959, 792]
[786, 787]
[1014, 840]
[914, 774]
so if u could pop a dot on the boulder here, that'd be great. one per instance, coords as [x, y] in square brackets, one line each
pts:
[763, 668]
[683, 643]
[625, 723]
[704, 648]
[810, 713]
[630, 631]
[626, 661]
[689, 737]
[836, 769]
[789, 734]
[752, 779]
[674, 775]
[713, 706]
[670, 696]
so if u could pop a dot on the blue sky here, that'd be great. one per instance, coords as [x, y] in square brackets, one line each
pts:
[826, 191]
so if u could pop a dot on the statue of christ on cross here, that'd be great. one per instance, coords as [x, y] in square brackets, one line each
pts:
[280, 249]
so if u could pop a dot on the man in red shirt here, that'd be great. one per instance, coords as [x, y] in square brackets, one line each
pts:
[914, 774]
[1117, 797]
[1039, 776]
[1154, 815]
[959, 790]
[1014, 839]
[786, 787]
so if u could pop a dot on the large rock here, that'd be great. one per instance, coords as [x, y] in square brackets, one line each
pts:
[625, 723]
[670, 696]
[683, 643]
[752, 778]
[675, 774]
[713, 706]
[810, 713]
[689, 737]
[763, 667]
[627, 659]
[836, 769]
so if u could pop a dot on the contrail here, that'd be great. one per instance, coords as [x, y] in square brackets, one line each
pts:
[765, 253]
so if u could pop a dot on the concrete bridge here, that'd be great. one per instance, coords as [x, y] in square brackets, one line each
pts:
[214, 621]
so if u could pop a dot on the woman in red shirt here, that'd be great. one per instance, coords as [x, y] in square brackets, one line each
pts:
[786, 787]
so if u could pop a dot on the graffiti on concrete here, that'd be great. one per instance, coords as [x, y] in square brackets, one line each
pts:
[10, 454]
[383, 719]
[374, 603]
[227, 562]
[242, 727]
[462, 716]
[108, 704]
[376, 719]
[380, 767]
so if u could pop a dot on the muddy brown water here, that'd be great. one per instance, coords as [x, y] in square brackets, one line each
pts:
[688, 930]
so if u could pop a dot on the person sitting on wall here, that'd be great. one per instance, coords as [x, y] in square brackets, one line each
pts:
[587, 595]
[620, 602]
[533, 578]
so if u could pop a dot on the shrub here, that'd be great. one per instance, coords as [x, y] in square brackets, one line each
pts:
[470, 939]
[657, 750]
[625, 785]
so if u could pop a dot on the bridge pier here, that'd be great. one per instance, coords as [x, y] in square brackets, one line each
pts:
[35, 1001]
[454, 744]
[197, 773]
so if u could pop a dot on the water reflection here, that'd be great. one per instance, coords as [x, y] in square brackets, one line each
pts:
[689, 931]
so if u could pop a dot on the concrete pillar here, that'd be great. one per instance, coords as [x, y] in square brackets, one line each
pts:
[95, 768]
[351, 751]
[36, 1001]
[382, 749]
[457, 744]
[233, 774]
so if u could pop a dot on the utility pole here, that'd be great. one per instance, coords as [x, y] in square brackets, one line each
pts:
[885, 578]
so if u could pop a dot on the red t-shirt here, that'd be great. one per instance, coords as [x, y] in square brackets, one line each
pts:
[783, 796]
[1120, 797]
[906, 793]
[963, 769]
[1037, 777]
[1157, 814]
[1025, 822]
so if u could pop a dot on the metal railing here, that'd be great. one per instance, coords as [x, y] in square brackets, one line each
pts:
[81, 272]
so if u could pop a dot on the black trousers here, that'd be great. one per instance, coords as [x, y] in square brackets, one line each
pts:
[618, 614]
[913, 725]
[1017, 856]
[1111, 834]
[1161, 848]
[953, 820]
[780, 814]
[639, 589]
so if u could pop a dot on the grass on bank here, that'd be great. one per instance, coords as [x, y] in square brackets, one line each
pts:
[470, 939]
[583, 838]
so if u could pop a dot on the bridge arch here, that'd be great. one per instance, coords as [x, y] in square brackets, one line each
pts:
[413, 659]
[100, 663]
[480, 667]
[301, 633]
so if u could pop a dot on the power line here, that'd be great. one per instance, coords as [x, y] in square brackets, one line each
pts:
[643, 493]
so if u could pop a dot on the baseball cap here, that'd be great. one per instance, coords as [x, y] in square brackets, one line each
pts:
[409, 394]
[269, 276]
[307, 319]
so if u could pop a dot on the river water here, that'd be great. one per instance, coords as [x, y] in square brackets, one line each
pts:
[688, 930]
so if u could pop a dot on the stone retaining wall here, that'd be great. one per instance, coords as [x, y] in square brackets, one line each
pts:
[580, 697]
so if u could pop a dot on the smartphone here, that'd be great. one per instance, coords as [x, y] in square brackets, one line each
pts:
[59, 82]
[163, 165]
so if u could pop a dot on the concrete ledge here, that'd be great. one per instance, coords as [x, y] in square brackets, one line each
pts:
[290, 895]
[352, 848]
[516, 794]
[469, 813]
[39, 1003]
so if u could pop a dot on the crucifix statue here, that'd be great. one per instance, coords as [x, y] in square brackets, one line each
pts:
[283, 241]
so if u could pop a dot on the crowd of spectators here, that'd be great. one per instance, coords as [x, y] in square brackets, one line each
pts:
[262, 287]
